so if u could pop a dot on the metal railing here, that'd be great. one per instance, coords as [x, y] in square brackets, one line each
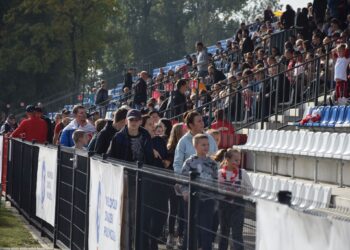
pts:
[146, 217]
[263, 99]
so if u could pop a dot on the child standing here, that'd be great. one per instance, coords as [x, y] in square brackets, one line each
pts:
[207, 169]
[342, 57]
[231, 210]
[80, 139]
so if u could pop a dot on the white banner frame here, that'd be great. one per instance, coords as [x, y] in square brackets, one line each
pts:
[105, 205]
[46, 184]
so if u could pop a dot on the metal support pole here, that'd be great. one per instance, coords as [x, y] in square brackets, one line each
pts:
[57, 209]
[326, 73]
[138, 210]
[316, 171]
[74, 166]
[293, 168]
[317, 81]
[191, 222]
[262, 105]
[341, 174]
[254, 166]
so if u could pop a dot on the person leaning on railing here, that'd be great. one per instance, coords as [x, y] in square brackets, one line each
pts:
[33, 128]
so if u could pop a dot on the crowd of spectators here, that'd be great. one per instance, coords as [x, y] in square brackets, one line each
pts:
[140, 131]
[244, 77]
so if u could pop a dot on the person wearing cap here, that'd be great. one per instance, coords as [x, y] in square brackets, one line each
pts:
[132, 143]
[79, 122]
[33, 128]
[106, 135]
[140, 96]
[39, 113]
[10, 125]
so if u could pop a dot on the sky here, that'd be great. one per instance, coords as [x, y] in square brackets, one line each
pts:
[295, 3]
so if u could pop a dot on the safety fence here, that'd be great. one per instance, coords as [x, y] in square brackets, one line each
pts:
[81, 201]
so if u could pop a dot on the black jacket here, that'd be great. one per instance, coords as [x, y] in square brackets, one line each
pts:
[103, 139]
[177, 104]
[49, 128]
[247, 46]
[120, 146]
[101, 96]
[288, 18]
[218, 76]
[159, 144]
[140, 92]
[128, 81]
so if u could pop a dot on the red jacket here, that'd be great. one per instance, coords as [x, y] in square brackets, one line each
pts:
[224, 126]
[33, 128]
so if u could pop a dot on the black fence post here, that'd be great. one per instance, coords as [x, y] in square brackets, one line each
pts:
[20, 178]
[57, 208]
[317, 81]
[191, 222]
[30, 212]
[326, 74]
[87, 201]
[262, 105]
[74, 159]
[138, 209]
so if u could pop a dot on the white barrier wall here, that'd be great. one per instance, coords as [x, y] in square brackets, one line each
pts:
[280, 227]
[106, 205]
[46, 184]
[304, 167]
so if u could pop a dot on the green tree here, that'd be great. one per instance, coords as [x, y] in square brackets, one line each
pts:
[47, 46]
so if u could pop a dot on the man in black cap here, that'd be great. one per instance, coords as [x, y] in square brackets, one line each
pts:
[10, 125]
[132, 143]
[32, 129]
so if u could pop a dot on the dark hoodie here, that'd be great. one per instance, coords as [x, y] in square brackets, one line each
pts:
[104, 138]
[129, 148]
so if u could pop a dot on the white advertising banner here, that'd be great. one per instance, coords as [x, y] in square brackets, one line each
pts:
[1, 148]
[106, 205]
[46, 184]
[280, 227]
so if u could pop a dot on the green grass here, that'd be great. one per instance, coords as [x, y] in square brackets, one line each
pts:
[12, 231]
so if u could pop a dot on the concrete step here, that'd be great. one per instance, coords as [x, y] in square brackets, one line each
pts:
[284, 118]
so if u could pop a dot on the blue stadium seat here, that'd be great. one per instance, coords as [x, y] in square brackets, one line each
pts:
[176, 63]
[332, 112]
[341, 116]
[325, 116]
[346, 122]
[333, 116]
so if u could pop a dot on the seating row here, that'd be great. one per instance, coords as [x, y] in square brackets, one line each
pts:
[299, 143]
[304, 195]
[331, 117]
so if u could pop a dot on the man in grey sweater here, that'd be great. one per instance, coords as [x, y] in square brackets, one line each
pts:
[202, 60]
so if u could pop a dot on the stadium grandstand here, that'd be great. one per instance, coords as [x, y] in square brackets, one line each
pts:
[269, 105]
